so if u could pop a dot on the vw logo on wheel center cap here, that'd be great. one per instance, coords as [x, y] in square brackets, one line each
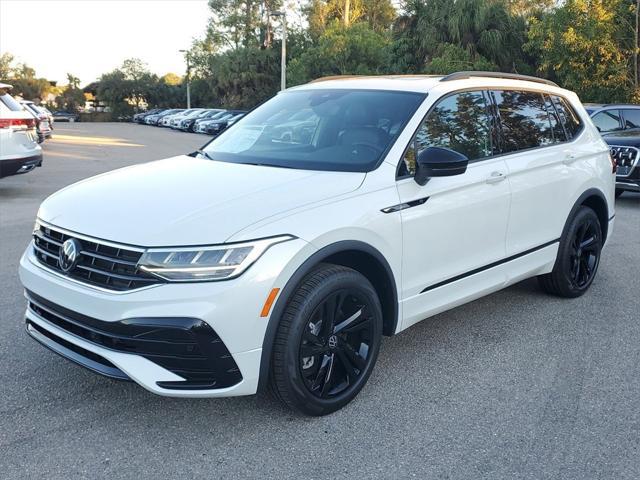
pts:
[69, 254]
[333, 341]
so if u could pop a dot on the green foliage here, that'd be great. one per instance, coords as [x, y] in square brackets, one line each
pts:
[378, 14]
[580, 45]
[340, 50]
[442, 29]
[245, 77]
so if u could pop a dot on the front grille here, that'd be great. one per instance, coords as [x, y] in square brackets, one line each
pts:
[626, 158]
[188, 347]
[98, 264]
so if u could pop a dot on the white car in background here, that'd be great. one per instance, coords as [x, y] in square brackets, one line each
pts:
[177, 119]
[43, 124]
[19, 149]
[282, 260]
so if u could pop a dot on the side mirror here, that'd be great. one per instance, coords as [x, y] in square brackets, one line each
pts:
[439, 162]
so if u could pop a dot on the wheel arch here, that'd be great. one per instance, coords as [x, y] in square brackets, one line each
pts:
[596, 200]
[357, 255]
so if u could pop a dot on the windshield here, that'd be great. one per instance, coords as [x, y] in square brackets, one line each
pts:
[337, 130]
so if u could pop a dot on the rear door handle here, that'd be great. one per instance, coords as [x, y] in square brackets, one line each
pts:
[496, 177]
[570, 158]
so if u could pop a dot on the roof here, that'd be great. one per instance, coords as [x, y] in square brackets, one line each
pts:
[6, 85]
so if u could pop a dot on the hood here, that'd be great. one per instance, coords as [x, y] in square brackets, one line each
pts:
[629, 138]
[187, 201]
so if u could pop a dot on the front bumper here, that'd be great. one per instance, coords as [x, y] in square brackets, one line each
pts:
[229, 309]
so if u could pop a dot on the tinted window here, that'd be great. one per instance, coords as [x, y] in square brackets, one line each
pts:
[556, 125]
[459, 122]
[607, 121]
[631, 118]
[568, 117]
[524, 120]
[345, 130]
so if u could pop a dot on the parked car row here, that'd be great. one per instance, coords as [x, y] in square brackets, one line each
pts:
[19, 149]
[211, 121]
[43, 117]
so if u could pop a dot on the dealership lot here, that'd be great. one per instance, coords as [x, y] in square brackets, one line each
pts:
[515, 385]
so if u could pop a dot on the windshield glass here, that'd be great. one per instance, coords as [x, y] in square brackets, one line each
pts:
[337, 130]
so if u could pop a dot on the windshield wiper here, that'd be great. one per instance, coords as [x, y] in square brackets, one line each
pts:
[204, 154]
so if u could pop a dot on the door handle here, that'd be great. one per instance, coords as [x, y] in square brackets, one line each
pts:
[496, 177]
[570, 158]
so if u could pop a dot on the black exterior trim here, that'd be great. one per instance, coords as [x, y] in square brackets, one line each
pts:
[404, 206]
[78, 355]
[12, 166]
[291, 286]
[187, 347]
[489, 266]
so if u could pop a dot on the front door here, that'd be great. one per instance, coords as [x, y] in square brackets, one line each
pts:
[454, 227]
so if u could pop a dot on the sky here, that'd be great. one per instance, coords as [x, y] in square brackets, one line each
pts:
[91, 37]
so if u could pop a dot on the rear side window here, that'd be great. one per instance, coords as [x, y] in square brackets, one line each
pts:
[607, 121]
[631, 118]
[524, 120]
[569, 118]
[460, 122]
[10, 103]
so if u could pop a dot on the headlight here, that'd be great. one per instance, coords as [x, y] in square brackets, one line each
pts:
[198, 264]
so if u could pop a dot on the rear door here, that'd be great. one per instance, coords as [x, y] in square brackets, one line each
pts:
[542, 165]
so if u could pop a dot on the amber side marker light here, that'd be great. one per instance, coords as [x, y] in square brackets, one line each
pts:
[270, 299]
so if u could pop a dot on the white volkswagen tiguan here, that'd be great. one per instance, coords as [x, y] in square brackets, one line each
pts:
[283, 251]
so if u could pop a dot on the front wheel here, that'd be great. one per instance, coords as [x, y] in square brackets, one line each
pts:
[578, 256]
[327, 341]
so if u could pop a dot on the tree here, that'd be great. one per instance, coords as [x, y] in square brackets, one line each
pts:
[581, 45]
[340, 50]
[6, 66]
[237, 23]
[486, 30]
[379, 14]
[171, 79]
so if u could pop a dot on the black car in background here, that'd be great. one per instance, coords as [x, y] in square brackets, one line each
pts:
[139, 117]
[63, 116]
[619, 126]
[218, 126]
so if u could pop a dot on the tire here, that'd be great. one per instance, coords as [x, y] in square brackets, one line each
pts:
[619, 192]
[341, 351]
[578, 256]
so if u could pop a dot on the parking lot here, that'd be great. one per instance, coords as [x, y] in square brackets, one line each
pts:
[514, 385]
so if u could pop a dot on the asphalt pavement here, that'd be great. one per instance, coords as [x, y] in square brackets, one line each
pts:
[515, 385]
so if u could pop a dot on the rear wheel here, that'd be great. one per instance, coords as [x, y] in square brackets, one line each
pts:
[578, 256]
[327, 341]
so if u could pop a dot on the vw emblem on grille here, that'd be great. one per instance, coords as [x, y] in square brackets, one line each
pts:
[69, 253]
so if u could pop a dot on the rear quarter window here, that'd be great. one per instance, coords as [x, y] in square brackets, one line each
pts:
[569, 118]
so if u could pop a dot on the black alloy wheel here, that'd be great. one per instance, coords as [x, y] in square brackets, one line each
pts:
[578, 256]
[335, 347]
[327, 341]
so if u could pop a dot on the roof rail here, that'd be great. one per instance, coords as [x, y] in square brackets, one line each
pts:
[511, 76]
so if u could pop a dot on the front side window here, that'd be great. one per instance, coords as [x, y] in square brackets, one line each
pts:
[524, 121]
[631, 117]
[319, 129]
[459, 122]
[607, 121]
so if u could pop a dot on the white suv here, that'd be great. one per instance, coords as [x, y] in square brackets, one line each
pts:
[19, 149]
[283, 251]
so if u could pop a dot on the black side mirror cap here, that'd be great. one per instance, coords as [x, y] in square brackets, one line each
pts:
[439, 162]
